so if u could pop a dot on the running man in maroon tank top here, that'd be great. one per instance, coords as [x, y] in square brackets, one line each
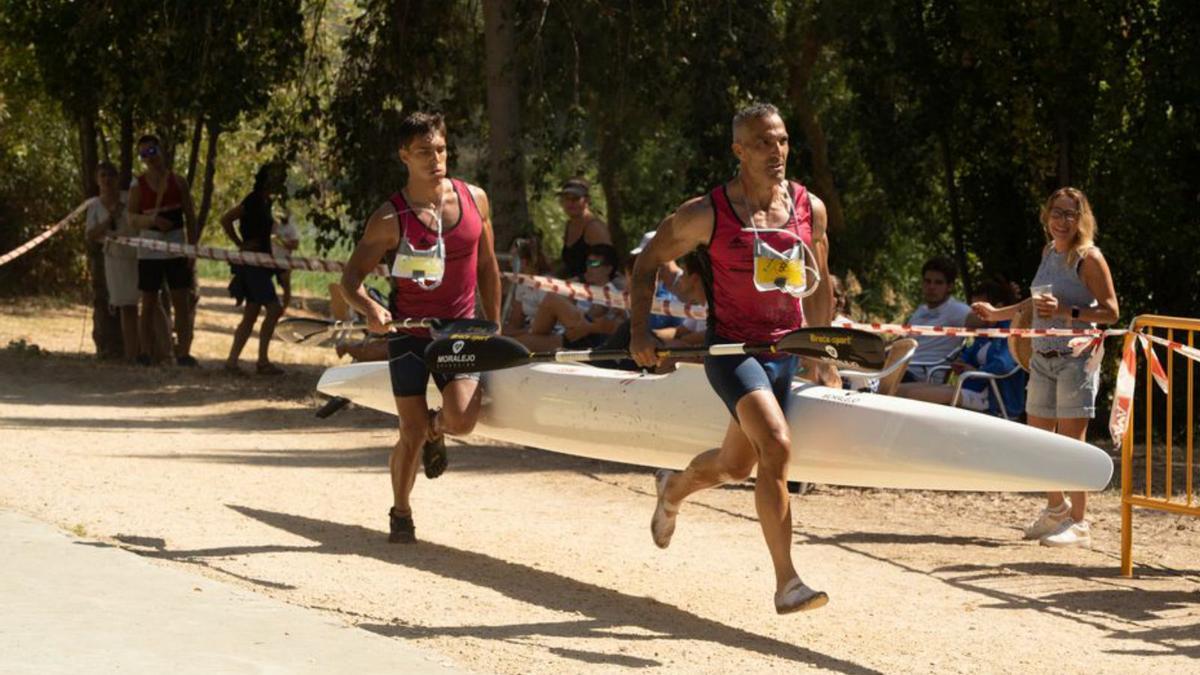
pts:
[438, 233]
[761, 238]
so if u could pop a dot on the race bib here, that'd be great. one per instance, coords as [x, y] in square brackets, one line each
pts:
[775, 271]
[418, 268]
[425, 267]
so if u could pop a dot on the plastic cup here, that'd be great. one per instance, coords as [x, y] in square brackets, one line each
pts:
[1041, 291]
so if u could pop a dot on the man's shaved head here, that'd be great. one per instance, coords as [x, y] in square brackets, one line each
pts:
[756, 111]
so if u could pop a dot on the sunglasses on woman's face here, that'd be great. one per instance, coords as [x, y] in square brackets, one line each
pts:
[148, 151]
[595, 262]
[1064, 214]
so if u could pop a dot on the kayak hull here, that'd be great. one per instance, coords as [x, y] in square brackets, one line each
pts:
[838, 437]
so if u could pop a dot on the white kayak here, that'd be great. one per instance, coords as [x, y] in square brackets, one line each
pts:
[838, 437]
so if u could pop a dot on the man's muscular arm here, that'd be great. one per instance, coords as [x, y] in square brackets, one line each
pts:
[487, 268]
[689, 227]
[818, 307]
[381, 235]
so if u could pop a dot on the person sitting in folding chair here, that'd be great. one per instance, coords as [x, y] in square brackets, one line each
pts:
[939, 309]
[991, 380]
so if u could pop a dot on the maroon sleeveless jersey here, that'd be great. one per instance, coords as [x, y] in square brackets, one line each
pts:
[737, 311]
[455, 297]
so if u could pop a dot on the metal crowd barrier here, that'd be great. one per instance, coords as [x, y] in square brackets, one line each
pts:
[1172, 328]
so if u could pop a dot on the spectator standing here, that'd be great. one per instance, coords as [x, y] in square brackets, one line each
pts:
[1076, 292]
[160, 206]
[106, 215]
[255, 285]
[939, 309]
[583, 228]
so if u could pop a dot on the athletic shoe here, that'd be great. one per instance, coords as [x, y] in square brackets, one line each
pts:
[187, 361]
[798, 597]
[1070, 534]
[1048, 521]
[662, 524]
[433, 453]
[268, 368]
[401, 528]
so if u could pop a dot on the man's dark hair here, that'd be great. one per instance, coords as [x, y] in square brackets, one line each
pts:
[149, 138]
[943, 265]
[420, 124]
[754, 111]
[998, 291]
[608, 253]
[107, 168]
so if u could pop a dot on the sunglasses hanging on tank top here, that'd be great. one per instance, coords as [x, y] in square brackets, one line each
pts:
[785, 271]
[425, 267]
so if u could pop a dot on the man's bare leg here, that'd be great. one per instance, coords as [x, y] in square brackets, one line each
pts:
[404, 460]
[765, 426]
[181, 301]
[461, 400]
[924, 391]
[730, 463]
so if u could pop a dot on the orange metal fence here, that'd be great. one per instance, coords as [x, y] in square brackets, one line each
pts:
[1183, 331]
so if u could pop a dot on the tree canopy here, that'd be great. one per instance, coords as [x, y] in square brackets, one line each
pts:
[929, 127]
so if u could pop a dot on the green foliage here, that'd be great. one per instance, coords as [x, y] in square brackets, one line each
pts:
[945, 123]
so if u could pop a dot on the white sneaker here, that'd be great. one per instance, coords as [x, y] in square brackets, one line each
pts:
[1070, 534]
[662, 524]
[1048, 522]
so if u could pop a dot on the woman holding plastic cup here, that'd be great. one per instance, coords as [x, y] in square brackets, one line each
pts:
[1073, 288]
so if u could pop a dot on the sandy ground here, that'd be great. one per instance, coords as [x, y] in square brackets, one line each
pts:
[536, 562]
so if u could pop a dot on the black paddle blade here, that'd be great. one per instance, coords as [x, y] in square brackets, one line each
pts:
[446, 327]
[842, 346]
[474, 353]
[301, 330]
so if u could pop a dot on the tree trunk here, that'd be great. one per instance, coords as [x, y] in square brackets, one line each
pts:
[608, 168]
[88, 155]
[1062, 137]
[506, 161]
[194, 155]
[960, 239]
[210, 169]
[126, 176]
[824, 185]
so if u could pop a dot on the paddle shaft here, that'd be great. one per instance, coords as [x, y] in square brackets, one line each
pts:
[587, 355]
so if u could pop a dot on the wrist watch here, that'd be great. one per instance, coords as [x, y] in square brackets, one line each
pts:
[1074, 312]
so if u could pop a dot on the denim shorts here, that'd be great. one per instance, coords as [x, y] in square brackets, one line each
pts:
[1060, 388]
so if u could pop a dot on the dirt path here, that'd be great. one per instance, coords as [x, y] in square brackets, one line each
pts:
[535, 562]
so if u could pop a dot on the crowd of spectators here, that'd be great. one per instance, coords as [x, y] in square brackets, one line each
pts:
[154, 292]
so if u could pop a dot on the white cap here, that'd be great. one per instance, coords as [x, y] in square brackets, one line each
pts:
[643, 243]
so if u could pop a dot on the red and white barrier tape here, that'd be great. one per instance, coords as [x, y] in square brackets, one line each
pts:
[50, 232]
[958, 331]
[241, 257]
[605, 295]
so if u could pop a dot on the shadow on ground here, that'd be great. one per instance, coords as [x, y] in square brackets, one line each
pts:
[603, 610]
